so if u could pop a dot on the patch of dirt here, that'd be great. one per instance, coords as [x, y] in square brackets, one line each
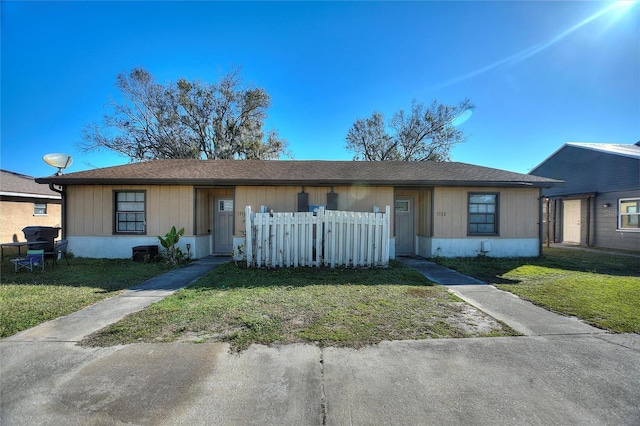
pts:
[475, 322]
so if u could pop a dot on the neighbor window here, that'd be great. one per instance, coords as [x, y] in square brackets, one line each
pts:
[130, 212]
[483, 213]
[39, 209]
[628, 211]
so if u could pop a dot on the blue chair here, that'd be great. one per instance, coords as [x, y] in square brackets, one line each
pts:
[34, 259]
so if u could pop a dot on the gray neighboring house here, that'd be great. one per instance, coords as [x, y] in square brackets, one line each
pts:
[599, 202]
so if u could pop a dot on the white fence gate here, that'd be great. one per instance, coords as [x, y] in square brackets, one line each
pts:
[330, 238]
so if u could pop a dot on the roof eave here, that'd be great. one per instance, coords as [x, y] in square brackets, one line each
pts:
[295, 182]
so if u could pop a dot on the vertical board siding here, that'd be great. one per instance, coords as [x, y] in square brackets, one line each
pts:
[518, 211]
[284, 198]
[90, 208]
[331, 238]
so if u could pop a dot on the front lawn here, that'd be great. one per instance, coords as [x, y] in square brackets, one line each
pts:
[30, 298]
[325, 306]
[600, 288]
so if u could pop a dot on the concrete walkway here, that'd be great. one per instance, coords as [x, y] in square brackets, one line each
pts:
[519, 314]
[75, 326]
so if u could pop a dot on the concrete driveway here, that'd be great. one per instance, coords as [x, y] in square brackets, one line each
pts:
[577, 379]
[561, 372]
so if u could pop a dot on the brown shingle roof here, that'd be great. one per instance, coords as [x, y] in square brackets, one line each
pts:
[19, 185]
[257, 172]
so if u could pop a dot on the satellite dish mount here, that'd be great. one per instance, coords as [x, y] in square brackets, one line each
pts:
[61, 161]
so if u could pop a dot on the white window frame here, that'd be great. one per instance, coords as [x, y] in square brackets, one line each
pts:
[622, 213]
[36, 208]
[117, 212]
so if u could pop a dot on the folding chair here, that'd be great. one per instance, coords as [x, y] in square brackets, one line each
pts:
[59, 248]
[34, 259]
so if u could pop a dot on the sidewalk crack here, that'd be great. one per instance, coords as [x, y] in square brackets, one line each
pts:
[323, 395]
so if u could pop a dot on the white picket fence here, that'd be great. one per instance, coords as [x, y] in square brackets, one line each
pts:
[330, 238]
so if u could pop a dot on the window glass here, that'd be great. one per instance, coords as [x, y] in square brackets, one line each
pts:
[482, 217]
[40, 208]
[628, 213]
[402, 206]
[130, 211]
[225, 206]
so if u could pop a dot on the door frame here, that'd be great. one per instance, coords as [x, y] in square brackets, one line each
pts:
[576, 205]
[214, 215]
[412, 203]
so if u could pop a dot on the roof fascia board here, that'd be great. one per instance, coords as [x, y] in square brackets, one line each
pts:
[29, 195]
[253, 182]
[592, 147]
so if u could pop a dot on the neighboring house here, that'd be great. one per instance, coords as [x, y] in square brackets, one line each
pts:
[23, 202]
[446, 209]
[599, 202]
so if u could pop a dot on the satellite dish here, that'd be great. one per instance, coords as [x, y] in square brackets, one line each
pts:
[61, 161]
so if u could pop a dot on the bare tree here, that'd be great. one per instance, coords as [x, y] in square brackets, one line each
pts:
[186, 119]
[422, 134]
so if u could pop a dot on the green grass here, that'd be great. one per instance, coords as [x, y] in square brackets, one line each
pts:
[30, 298]
[600, 288]
[324, 306]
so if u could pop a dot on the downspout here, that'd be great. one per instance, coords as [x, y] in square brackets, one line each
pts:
[63, 209]
[540, 224]
[548, 217]
[588, 221]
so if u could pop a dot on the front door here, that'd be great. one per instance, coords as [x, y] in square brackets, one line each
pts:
[404, 226]
[571, 221]
[223, 226]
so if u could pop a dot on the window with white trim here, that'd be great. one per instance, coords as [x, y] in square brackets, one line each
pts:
[40, 209]
[130, 212]
[628, 214]
[483, 213]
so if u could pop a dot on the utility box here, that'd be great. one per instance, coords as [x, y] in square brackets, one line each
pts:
[144, 253]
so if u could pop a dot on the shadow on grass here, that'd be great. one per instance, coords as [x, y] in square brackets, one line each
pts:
[107, 275]
[493, 270]
[230, 275]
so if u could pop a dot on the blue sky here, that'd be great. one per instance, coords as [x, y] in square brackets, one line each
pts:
[541, 73]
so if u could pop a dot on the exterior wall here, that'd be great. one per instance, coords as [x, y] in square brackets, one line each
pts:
[585, 170]
[599, 224]
[518, 221]
[441, 216]
[15, 214]
[285, 199]
[90, 209]
[605, 223]
[518, 212]
[470, 247]
[90, 218]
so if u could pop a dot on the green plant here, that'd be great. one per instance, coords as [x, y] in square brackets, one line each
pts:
[173, 254]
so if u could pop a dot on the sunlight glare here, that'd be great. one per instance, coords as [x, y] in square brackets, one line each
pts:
[619, 7]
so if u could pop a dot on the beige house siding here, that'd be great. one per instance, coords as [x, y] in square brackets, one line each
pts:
[15, 215]
[285, 199]
[90, 208]
[518, 212]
